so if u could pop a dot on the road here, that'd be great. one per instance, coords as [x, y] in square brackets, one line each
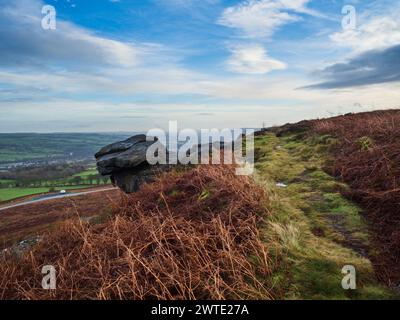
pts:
[52, 197]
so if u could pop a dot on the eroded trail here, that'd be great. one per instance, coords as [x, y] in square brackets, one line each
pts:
[319, 230]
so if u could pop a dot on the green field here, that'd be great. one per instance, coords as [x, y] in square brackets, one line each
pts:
[83, 174]
[87, 173]
[65, 146]
[6, 181]
[14, 193]
[11, 192]
[62, 181]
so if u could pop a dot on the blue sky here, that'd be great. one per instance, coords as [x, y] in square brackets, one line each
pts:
[132, 65]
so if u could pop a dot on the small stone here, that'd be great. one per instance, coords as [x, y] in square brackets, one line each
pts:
[281, 185]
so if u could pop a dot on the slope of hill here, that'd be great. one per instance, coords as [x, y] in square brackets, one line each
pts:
[32, 220]
[188, 235]
[368, 160]
[324, 195]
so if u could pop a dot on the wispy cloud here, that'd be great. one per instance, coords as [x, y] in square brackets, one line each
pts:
[371, 33]
[252, 59]
[261, 18]
[31, 45]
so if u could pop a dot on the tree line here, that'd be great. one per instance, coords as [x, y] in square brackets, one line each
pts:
[56, 175]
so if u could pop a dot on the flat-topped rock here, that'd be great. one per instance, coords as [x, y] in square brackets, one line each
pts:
[129, 158]
[121, 145]
[125, 162]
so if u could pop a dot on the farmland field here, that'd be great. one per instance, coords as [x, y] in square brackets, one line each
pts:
[6, 181]
[14, 193]
[87, 173]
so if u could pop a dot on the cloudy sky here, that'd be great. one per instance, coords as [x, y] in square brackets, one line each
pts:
[132, 65]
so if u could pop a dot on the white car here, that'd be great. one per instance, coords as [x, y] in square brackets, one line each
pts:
[63, 191]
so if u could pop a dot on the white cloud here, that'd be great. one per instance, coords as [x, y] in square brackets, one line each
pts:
[20, 24]
[186, 3]
[378, 32]
[252, 59]
[261, 18]
[113, 52]
[123, 69]
[233, 92]
[61, 115]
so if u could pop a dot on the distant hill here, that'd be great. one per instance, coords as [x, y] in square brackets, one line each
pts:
[22, 147]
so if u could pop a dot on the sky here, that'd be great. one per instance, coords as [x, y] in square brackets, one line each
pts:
[134, 65]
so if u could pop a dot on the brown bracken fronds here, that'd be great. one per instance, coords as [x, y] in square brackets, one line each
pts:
[368, 159]
[189, 235]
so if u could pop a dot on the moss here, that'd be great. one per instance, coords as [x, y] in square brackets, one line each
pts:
[366, 143]
[175, 193]
[205, 194]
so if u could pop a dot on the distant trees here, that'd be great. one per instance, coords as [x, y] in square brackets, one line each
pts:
[77, 180]
[92, 178]
[43, 172]
[50, 176]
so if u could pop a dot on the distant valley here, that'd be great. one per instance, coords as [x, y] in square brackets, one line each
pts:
[23, 149]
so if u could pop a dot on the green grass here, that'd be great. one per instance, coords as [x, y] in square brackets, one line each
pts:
[87, 173]
[313, 230]
[60, 184]
[74, 187]
[14, 193]
[2, 181]
[65, 181]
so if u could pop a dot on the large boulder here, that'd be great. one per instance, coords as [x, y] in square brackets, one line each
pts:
[125, 162]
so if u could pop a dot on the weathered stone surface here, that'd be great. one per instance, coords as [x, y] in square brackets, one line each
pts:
[121, 145]
[126, 163]
[128, 159]
[131, 180]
